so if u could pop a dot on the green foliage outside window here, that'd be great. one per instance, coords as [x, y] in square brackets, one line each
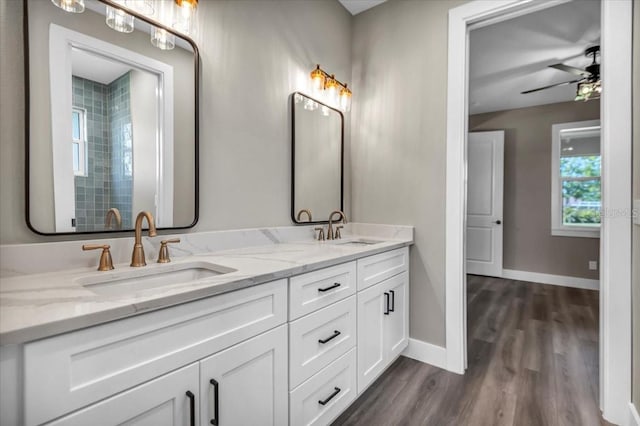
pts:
[581, 198]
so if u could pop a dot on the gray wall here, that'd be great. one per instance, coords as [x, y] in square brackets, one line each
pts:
[636, 195]
[254, 55]
[399, 133]
[528, 243]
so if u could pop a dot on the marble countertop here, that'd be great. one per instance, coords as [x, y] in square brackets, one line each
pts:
[34, 306]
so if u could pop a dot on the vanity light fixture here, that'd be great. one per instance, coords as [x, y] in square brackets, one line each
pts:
[337, 92]
[119, 20]
[73, 6]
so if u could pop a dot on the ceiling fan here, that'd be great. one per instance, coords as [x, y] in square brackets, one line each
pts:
[589, 83]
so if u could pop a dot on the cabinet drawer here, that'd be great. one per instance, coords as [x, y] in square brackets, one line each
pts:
[70, 371]
[377, 268]
[334, 325]
[317, 289]
[163, 401]
[335, 386]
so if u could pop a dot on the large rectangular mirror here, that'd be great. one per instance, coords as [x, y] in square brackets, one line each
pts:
[317, 136]
[112, 122]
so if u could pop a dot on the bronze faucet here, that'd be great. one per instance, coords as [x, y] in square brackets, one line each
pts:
[106, 263]
[137, 257]
[113, 213]
[307, 211]
[330, 235]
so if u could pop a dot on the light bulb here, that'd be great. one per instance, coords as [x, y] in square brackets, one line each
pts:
[119, 20]
[73, 6]
[185, 18]
[317, 80]
[162, 39]
[331, 87]
[345, 99]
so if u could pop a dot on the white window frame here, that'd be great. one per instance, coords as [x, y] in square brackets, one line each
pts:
[558, 228]
[82, 143]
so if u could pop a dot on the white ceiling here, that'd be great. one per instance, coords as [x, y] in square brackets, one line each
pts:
[513, 56]
[96, 68]
[357, 6]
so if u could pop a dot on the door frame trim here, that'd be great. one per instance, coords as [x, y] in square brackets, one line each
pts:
[615, 244]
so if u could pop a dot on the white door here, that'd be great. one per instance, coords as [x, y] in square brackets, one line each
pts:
[485, 187]
[170, 400]
[396, 327]
[371, 354]
[247, 384]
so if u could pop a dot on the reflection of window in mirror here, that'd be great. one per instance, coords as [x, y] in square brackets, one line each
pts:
[79, 141]
[576, 175]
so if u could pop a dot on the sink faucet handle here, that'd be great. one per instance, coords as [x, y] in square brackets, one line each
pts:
[106, 263]
[338, 228]
[163, 255]
[320, 234]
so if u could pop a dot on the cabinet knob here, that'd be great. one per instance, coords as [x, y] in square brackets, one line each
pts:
[216, 409]
[192, 408]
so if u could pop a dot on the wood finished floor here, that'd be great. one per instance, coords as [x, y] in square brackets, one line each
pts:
[533, 360]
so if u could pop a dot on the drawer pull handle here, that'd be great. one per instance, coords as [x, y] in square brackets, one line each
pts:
[393, 301]
[216, 413]
[331, 287]
[335, 334]
[192, 408]
[330, 397]
[386, 303]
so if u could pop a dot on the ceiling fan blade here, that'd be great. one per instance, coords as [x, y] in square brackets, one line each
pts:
[550, 86]
[571, 70]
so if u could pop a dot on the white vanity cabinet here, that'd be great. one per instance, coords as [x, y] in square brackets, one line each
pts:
[383, 313]
[247, 383]
[170, 400]
[73, 370]
[294, 351]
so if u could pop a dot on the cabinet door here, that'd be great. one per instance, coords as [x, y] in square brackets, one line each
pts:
[170, 400]
[371, 316]
[247, 384]
[396, 327]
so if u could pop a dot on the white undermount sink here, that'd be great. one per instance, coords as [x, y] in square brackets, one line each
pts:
[355, 242]
[151, 277]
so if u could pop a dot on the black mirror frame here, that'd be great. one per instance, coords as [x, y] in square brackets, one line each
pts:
[27, 94]
[293, 158]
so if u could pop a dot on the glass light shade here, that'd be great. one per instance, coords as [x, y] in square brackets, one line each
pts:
[144, 7]
[185, 18]
[317, 80]
[119, 20]
[162, 39]
[73, 6]
[332, 88]
[588, 90]
[345, 99]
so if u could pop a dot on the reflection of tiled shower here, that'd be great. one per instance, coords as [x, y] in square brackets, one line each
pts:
[109, 179]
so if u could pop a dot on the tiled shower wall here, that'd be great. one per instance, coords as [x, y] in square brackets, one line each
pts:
[92, 190]
[108, 130]
[121, 154]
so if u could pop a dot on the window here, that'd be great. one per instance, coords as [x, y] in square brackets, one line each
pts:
[79, 142]
[576, 197]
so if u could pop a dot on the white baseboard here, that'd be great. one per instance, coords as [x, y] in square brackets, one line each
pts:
[634, 417]
[427, 353]
[563, 280]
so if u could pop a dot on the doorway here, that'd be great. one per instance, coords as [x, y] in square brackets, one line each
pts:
[616, 142]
